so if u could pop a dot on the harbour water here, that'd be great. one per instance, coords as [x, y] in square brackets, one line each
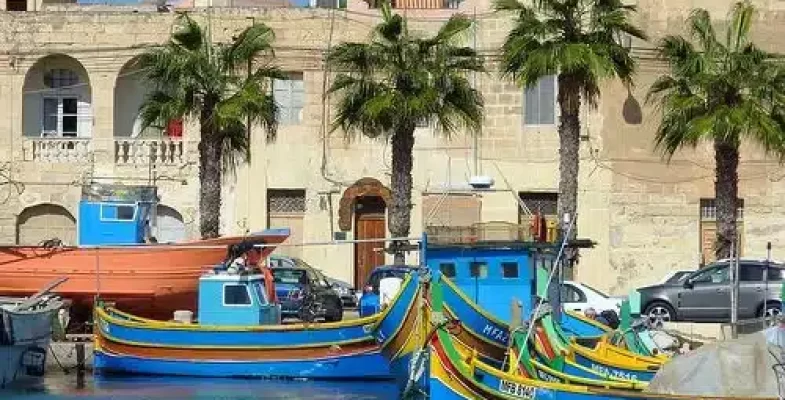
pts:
[59, 386]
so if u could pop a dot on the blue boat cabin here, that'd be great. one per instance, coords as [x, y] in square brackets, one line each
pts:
[490, 274]
[227, 298]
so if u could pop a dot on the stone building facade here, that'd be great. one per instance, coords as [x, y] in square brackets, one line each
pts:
[70, 96]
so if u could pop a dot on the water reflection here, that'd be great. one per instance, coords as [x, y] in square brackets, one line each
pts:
[62, 387]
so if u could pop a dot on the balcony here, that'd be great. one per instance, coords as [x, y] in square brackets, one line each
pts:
[419, 4]
[148, 152]
[58, 150]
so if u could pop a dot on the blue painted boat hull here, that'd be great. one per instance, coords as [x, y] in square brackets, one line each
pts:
[344, 350]
[367, 366]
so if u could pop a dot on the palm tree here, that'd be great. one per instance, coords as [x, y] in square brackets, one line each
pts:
[194, 77]
[398, 79]
[579, 41]
[722, 91]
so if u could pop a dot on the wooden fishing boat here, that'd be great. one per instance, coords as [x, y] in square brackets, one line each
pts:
[217, 347]
[457, 371]
[152, 280]
[594, 354]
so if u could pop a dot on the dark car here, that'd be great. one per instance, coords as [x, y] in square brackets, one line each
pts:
[704, 295]
[369, 302]
[293, 283]
[346, 291]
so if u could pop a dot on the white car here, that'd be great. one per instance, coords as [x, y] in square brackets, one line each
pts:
[576, 296]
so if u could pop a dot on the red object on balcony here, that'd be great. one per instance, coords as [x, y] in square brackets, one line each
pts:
[174, 129]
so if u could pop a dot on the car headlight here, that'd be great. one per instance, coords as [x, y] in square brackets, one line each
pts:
[342, 291]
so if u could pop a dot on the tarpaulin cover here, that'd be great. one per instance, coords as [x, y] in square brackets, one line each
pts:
[744, 367]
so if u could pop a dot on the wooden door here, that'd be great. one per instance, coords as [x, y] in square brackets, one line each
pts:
[369, 224]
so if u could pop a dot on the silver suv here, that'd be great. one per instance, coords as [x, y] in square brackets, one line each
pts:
[704, 295]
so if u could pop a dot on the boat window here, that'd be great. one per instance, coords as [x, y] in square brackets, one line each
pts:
[236, 295]
[509, 270]
[448, 269]
[478, 269]
[115, 212]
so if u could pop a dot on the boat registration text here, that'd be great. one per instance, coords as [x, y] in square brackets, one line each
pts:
[517, 390]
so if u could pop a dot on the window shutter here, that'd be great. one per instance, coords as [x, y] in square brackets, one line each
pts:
[298, 100]
[84, 115]
[547, 100]
[531, 106]
[282, 95]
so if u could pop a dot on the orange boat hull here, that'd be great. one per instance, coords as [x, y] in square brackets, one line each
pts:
[149, 280]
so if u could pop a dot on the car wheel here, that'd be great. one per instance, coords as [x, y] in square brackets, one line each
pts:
[659, 312]
[771, 310]
[336, 313]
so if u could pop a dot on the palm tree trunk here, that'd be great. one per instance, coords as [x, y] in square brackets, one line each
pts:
[401, 207]
[569, 146]
[726, 190]
[209, 178]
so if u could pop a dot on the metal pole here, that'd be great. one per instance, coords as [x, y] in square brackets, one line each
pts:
[734, 294]
[766, 285]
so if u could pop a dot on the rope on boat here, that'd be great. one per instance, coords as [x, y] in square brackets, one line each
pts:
[547, 287]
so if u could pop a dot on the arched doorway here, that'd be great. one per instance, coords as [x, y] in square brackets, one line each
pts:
[362, 208]
[169, 225]
[45, 221]
[130, 90]
[57, 99]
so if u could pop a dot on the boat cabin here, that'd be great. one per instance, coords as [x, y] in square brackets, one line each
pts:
[493, 272]
[114, 214]
[228, 297]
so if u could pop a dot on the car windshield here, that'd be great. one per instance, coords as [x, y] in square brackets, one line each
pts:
[288, 275]
[605, 296]
[678, 277]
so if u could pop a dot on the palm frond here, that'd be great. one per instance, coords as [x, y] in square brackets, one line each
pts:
[187, 33]
[252, 42]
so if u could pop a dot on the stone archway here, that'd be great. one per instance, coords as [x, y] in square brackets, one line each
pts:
[363, 187]
[45, 221]
[57, 99]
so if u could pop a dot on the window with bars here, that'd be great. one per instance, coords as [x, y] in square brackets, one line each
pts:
[708, 228]
[60, 78]
[709, 210]
[539, 106]
[286, 201]
[544, 203]
[289, 94]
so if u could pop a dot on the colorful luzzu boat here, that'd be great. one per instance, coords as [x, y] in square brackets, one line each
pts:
[594, 354]
[457, 371]
[239, 335]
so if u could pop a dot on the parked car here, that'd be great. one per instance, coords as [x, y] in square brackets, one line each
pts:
[704, 295]
[369, 301]
[576, 296]
[293, 281]
[347, 292]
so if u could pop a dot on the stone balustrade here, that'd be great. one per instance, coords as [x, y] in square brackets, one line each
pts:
[148, 151]
[58, 150]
